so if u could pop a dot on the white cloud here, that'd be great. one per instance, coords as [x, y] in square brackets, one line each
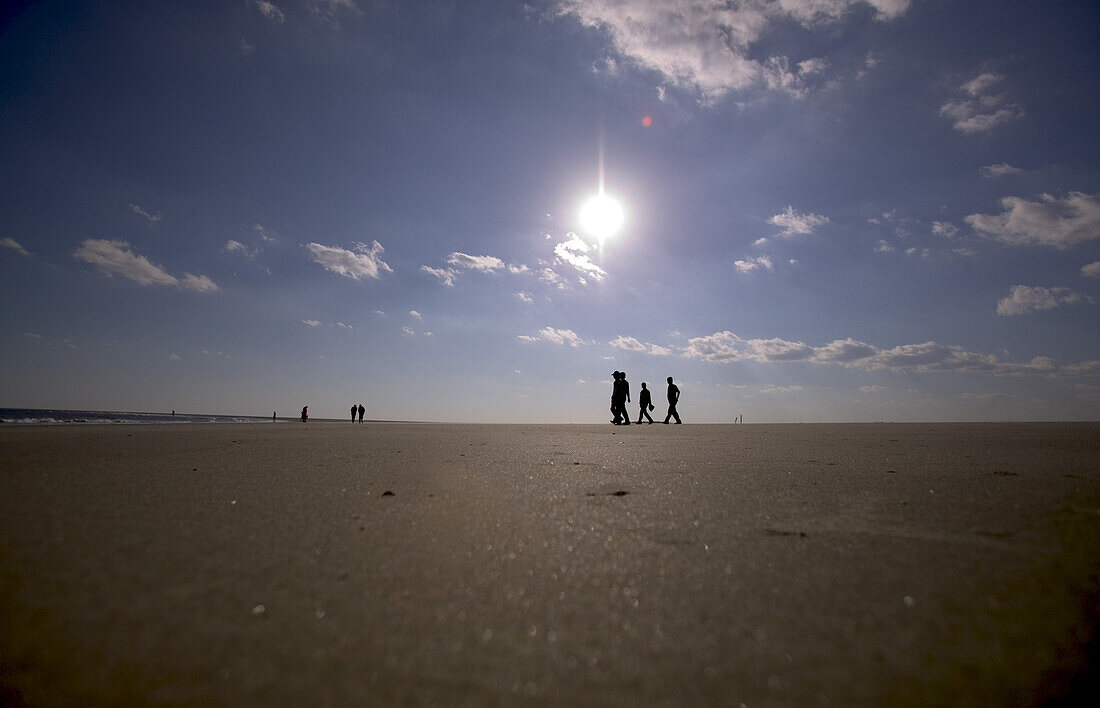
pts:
[361, 262]
[246, 46]
[445, 275]
[32, 335]
[408, 330]
[153, 218]
[198, 283]
[1024, 298]
[631, 344]
[1092, 270]
[311, 323]
[524, 296]
[977, 110]
[414, 313]
[341, 325]
[14, 245]
[556, 336]
[174, 357]
[873, 389]
[486, 264]
[270, 11]
[1048, 222]
[793, 222]
[233, 246]
[883, 247]
[927, 357]
[265, 233]
[548, 275]
[944, 228]
[751, 264]
[773, 390]
[704, 46]
[922, 252]
[574, 251]
[115, 258]
[1000, 170]
[517, 269]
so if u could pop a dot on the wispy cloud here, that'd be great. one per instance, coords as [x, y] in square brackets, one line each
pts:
[13, 245]
[795, 223]
[1023, 299]
[414, 314]
[556, 336]
[1001, 169]
[1092, 270]
[312, 323]
[1047, 222]
[445, 275]
[752, 264]
[152, 218]
[779, 76]
[270, 11]
[362, 261]
[485, 264]
[944, 228]
[115, 258]
[550, 276]
[976, 109]
[574, 251]
[524, 297]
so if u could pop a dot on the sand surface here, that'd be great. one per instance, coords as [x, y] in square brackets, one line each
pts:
[654, 565]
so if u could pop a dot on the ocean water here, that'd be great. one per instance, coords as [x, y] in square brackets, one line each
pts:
[29, 416]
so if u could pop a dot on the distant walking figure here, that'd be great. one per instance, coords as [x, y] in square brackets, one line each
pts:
[362, 410]
[646, 405]
[354, 410]
[273, 416]
[673, 397]
[305, 413]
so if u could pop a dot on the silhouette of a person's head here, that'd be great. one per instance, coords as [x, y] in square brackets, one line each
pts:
[670, 379]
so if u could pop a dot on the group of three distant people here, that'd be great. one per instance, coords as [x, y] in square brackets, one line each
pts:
[620, 396]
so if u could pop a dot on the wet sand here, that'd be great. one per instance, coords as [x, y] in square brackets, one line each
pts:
[653, 565]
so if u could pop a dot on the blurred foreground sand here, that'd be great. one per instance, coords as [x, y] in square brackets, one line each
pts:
[657, 565]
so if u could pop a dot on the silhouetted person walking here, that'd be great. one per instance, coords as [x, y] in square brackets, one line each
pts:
[305, 413]
[673, 398]
[362, 410]
[619, 398]
[354, 410]
[646, 405]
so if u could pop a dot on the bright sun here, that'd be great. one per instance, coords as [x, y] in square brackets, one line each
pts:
[601, 216]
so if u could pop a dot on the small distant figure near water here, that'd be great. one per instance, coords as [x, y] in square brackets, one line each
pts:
[273, 416]
[354, 410]
[362, 410]
[673, 398]
[173, 412]
[305, 414]
[645, 404]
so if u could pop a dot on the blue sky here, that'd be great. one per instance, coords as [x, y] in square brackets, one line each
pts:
[836, 210]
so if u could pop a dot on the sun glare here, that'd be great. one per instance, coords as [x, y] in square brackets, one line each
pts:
[601, 216]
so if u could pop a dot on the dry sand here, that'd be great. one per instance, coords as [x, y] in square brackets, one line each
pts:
[657, 565]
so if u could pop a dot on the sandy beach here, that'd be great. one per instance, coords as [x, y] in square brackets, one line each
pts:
[325, 563]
